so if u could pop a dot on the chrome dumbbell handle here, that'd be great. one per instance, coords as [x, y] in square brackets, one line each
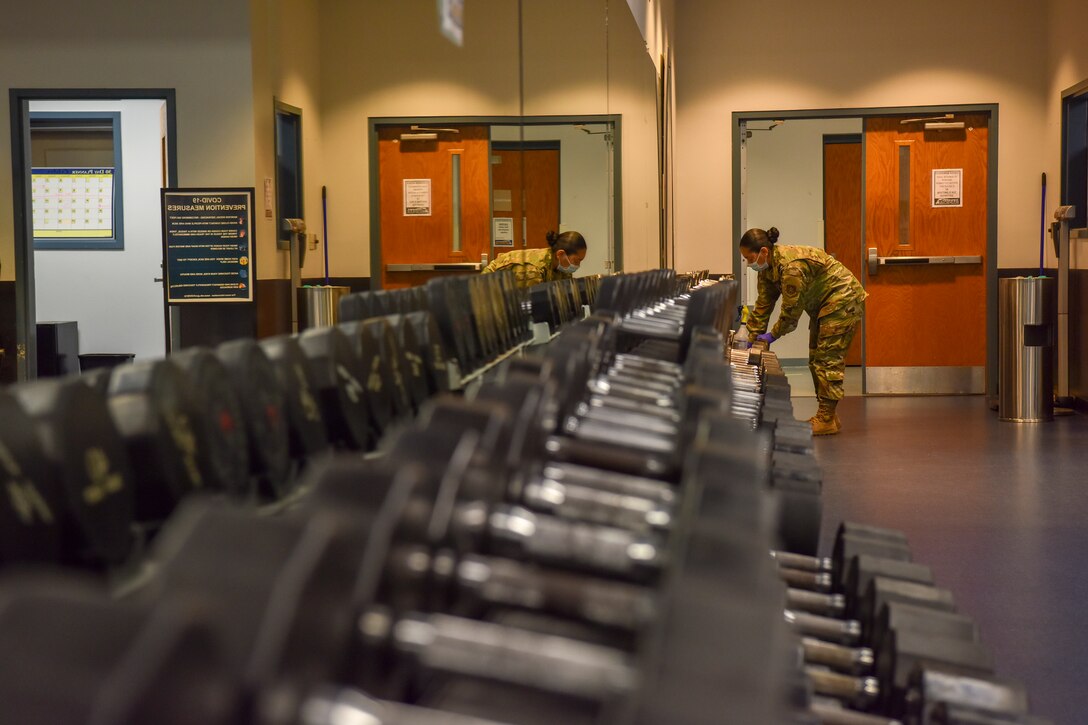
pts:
[841, 631]
[496, 652]
[853, 660]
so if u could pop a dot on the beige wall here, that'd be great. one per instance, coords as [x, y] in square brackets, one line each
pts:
[287, 52]
[201, 48]
[735, 57]
[389, 60]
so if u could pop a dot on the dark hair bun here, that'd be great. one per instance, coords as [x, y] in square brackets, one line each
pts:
[552, 238]
[772, 234]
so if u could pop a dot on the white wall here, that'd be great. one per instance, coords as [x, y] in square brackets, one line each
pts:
[111, 293]
[736, 57]
[583, 184]
[785, 190]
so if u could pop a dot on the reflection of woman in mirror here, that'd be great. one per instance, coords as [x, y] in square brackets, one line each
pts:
[559, 260]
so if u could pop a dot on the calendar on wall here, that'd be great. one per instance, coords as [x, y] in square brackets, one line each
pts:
[73, 203]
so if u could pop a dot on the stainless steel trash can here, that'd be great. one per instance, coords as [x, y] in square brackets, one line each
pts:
[321, 305]
[1026, 349]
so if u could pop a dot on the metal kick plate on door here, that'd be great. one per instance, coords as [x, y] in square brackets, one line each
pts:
[875, 261]
[436, 267]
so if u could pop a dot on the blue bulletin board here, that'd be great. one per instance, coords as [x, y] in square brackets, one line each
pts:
[208, 245]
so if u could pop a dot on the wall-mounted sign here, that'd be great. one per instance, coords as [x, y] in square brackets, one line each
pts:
[502, 231]
[417, 197]
[72, 203]
[208, 245]
[947, 187]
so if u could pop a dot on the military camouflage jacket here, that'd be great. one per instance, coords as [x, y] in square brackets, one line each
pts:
[530, 266]
[807, 279]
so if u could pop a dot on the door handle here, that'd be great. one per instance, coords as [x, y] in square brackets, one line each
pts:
[876, 261]
[436, 267]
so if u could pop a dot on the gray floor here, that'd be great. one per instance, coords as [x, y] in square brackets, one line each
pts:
[998, 510]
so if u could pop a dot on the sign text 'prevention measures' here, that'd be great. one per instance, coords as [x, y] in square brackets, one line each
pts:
[208, 235]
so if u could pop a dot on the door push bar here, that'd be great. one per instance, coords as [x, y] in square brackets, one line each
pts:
[436, 267]
[876, 262]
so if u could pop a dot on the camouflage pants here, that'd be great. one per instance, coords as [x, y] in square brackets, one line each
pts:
[829, 338]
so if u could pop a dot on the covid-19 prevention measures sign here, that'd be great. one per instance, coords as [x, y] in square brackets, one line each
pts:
[208, 245]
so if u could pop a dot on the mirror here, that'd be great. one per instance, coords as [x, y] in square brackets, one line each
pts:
[571, 76]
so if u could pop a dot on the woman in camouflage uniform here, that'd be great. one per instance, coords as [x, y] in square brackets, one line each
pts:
[560, 259]
[810, 280]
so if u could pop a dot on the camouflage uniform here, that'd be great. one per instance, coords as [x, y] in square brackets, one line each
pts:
[530, 266]
[810, 280]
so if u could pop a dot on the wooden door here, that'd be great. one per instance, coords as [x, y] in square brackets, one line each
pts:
[926, 219]
[525, 188]
[842, 210]
[434, 202]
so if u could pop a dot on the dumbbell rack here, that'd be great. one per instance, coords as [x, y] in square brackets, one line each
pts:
[559, 575]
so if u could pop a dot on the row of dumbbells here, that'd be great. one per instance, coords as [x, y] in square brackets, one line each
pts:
[96, 462]
[880, 636]
[270, 582]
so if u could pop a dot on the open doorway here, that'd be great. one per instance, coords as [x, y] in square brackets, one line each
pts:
[88, 167]
[927, 233]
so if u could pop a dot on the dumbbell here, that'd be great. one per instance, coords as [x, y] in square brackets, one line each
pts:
[153, 405]
[307, 435]
[71, 487]
[335, 602]
[264, 414]
[338, 383]
[469, 582]
[939, 697]
[77, 655]
[221, 428]
[381, 366]
[481, 521]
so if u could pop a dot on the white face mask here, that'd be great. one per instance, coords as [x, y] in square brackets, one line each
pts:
[760, 267]
[568, 268]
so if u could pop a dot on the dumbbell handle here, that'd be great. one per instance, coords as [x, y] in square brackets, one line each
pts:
[520, 532]
[827, 605]
[860, 692]
[585, 503]
[855, 661]
[511, 583]
[812, 580]
[839, 716]
[333, 705]
[799, 561]
[842, 631]
[492, 651]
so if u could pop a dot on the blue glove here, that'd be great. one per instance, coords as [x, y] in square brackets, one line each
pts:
[765, 337]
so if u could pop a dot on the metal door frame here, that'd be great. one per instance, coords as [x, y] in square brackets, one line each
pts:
[740, 120]
[19, 114]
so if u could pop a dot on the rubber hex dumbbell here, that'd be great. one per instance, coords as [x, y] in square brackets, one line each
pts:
[482, 521]
[466, 582]
[153, 405]
[88, 485]
[307, 435]
[340, 387]
[306, 597]
[264, 415]
[73, 654]
[220, 427]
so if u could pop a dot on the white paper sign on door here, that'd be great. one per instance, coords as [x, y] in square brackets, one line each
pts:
[417, 197]
[947, 187]
[502, 232]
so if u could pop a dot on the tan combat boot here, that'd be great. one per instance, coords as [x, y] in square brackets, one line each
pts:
[825, 422]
